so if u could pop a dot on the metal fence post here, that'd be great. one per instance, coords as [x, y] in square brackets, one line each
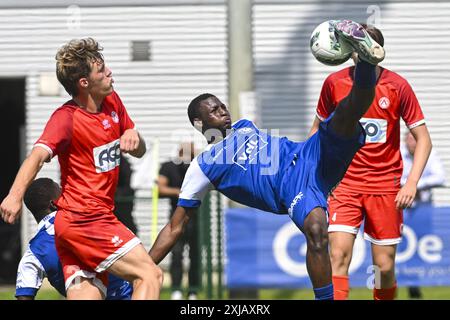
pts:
[207, 220]
[219, 247]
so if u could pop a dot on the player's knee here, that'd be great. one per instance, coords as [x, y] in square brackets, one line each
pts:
[156, 274]
[386, 264]
[151, 275]
[340, 257]
[317, 236]
[159, 276]
[147, 270]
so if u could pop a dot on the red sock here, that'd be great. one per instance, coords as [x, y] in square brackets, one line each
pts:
[385, 294]
[341, 287]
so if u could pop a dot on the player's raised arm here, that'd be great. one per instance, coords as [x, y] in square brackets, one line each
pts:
[194, 188]
[11, 206]
[170, 233]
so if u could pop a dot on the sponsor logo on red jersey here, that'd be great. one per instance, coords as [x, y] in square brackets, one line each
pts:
[376, 129]
[107, 156]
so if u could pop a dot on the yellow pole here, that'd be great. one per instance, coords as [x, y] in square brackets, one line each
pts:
[155, 191]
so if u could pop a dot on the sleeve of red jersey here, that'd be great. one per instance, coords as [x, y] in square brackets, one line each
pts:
[57, 134]
[325, 105]
[125, 120]
[411, 111]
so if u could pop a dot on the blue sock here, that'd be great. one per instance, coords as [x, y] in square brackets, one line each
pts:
[324, 293]
[365, 75]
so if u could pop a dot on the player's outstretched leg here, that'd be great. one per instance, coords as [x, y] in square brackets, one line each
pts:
[354, 106]
[318, 262]
[350, 110]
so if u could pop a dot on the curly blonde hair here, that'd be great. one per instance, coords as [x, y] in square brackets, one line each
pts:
[74, 61]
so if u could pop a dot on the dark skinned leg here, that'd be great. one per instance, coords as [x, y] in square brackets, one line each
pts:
[318, 262]
[350, 110]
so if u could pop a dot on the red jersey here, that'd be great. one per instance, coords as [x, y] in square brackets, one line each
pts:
[377, 167]
[88, 149]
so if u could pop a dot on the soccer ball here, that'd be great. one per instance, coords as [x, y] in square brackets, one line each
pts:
[326, 47]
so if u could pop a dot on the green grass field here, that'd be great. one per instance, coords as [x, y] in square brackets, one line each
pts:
[429, 293]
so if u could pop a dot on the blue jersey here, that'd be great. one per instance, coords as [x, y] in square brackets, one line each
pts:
[247, 166]
[41, 260]
[271, 173]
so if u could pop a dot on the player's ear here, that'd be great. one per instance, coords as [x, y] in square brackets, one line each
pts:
[198, 124]
[83, 82]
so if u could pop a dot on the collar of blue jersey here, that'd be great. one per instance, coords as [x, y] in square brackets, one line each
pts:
[45, 219]
[210, 145]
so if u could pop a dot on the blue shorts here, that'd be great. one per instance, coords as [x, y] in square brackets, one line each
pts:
[118, 289]
[319, 165]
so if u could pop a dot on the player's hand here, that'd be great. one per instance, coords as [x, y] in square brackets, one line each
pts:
[11, 208]
[406, 195]
[129, 141]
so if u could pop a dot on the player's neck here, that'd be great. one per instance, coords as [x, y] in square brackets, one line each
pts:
[41, 217]
[214, 135]
[214, 140]
[89, 103]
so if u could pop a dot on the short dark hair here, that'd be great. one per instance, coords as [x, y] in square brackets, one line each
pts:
[375, 33]
[39, 196]
[194, 106]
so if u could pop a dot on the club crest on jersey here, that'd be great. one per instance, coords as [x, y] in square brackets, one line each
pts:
[245, 130]
[115, 117]
[107, 157]
[384, 102]
[376, 129]
[106, 124]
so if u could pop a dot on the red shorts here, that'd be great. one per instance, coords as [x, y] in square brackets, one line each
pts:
[86, 247]
[383, 222]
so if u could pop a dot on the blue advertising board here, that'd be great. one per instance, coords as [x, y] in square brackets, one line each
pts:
[265, 250]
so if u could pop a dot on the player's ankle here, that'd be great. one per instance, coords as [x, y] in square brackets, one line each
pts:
[324, 293]
[385, 294]
[341, 287]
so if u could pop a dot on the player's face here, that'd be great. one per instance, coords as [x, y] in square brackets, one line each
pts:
[214, 115]
[100, 79]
